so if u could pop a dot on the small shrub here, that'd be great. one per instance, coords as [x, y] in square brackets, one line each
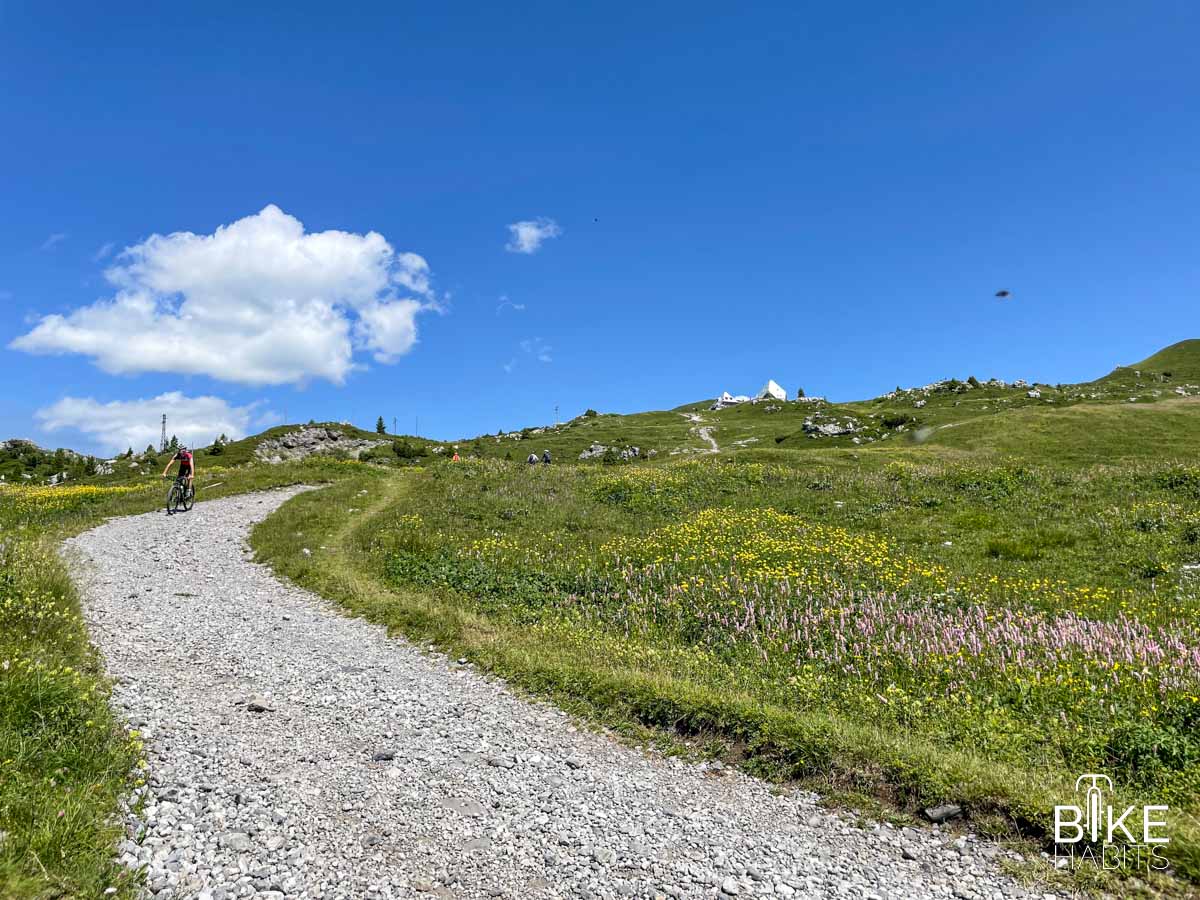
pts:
[893, 421]
[405, 449]
[1180, 479]
[1191, 532]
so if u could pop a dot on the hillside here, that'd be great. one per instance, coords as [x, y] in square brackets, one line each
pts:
[961, 593]
[22, 460]
[1146, 410]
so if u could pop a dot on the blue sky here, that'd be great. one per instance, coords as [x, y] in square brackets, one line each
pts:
[823, 194]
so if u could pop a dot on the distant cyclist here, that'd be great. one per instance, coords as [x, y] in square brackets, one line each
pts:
[187, 465]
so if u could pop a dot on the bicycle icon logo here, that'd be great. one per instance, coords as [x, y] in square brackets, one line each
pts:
[1093, 808]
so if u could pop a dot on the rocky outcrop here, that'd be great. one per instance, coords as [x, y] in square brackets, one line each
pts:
[830, 426]
[596, 451]
[313, 440]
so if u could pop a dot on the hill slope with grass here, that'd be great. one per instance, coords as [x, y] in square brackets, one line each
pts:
[965, 592]
[1142, 411]
[1145, 410]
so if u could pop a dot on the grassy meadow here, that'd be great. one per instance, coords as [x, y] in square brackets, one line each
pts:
[65, 761]
[973, 594]
[905, 627]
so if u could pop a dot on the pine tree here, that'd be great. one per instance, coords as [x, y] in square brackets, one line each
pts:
[379, 426]
[174, 444]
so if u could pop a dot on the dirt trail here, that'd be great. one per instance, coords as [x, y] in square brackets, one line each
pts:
[704, 432]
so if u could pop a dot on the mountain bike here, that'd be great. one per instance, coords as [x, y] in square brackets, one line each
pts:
[180, 496]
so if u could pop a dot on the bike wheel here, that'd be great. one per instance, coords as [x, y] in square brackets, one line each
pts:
[189, 498]
[172, 499]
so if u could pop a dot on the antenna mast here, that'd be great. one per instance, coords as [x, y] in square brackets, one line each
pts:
[162, 443]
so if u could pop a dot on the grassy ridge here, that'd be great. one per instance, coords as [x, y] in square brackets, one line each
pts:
[64, 760]
[1016, 419]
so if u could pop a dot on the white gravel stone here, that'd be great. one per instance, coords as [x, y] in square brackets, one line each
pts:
[295, 752]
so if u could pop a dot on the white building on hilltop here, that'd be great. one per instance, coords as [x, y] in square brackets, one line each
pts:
[772, 391]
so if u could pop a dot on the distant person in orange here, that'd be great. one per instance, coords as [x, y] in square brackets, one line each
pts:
[455, 457]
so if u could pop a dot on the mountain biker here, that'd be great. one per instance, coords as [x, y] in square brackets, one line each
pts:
[187, 465]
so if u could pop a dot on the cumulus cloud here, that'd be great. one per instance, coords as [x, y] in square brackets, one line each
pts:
[258, 301]
[196, 421]
[527, 236]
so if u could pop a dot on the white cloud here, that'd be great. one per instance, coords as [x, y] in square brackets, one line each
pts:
[103, 252]
[57, 238]
[532, 347]
[538, 349]
[136, 423]
[259, 301]
[389, 329]
[527, 235]
[505, 303]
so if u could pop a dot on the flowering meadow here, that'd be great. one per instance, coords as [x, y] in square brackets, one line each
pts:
[29, 506]
[1043, 620]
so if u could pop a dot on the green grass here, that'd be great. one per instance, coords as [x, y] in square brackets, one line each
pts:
[505, 565]
[606, 587]
[1088, 423]
[65, 762]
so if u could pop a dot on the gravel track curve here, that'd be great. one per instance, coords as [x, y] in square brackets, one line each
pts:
[296, 752]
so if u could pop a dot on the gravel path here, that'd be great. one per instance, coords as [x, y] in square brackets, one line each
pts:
[296, 752]
[704, 432]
